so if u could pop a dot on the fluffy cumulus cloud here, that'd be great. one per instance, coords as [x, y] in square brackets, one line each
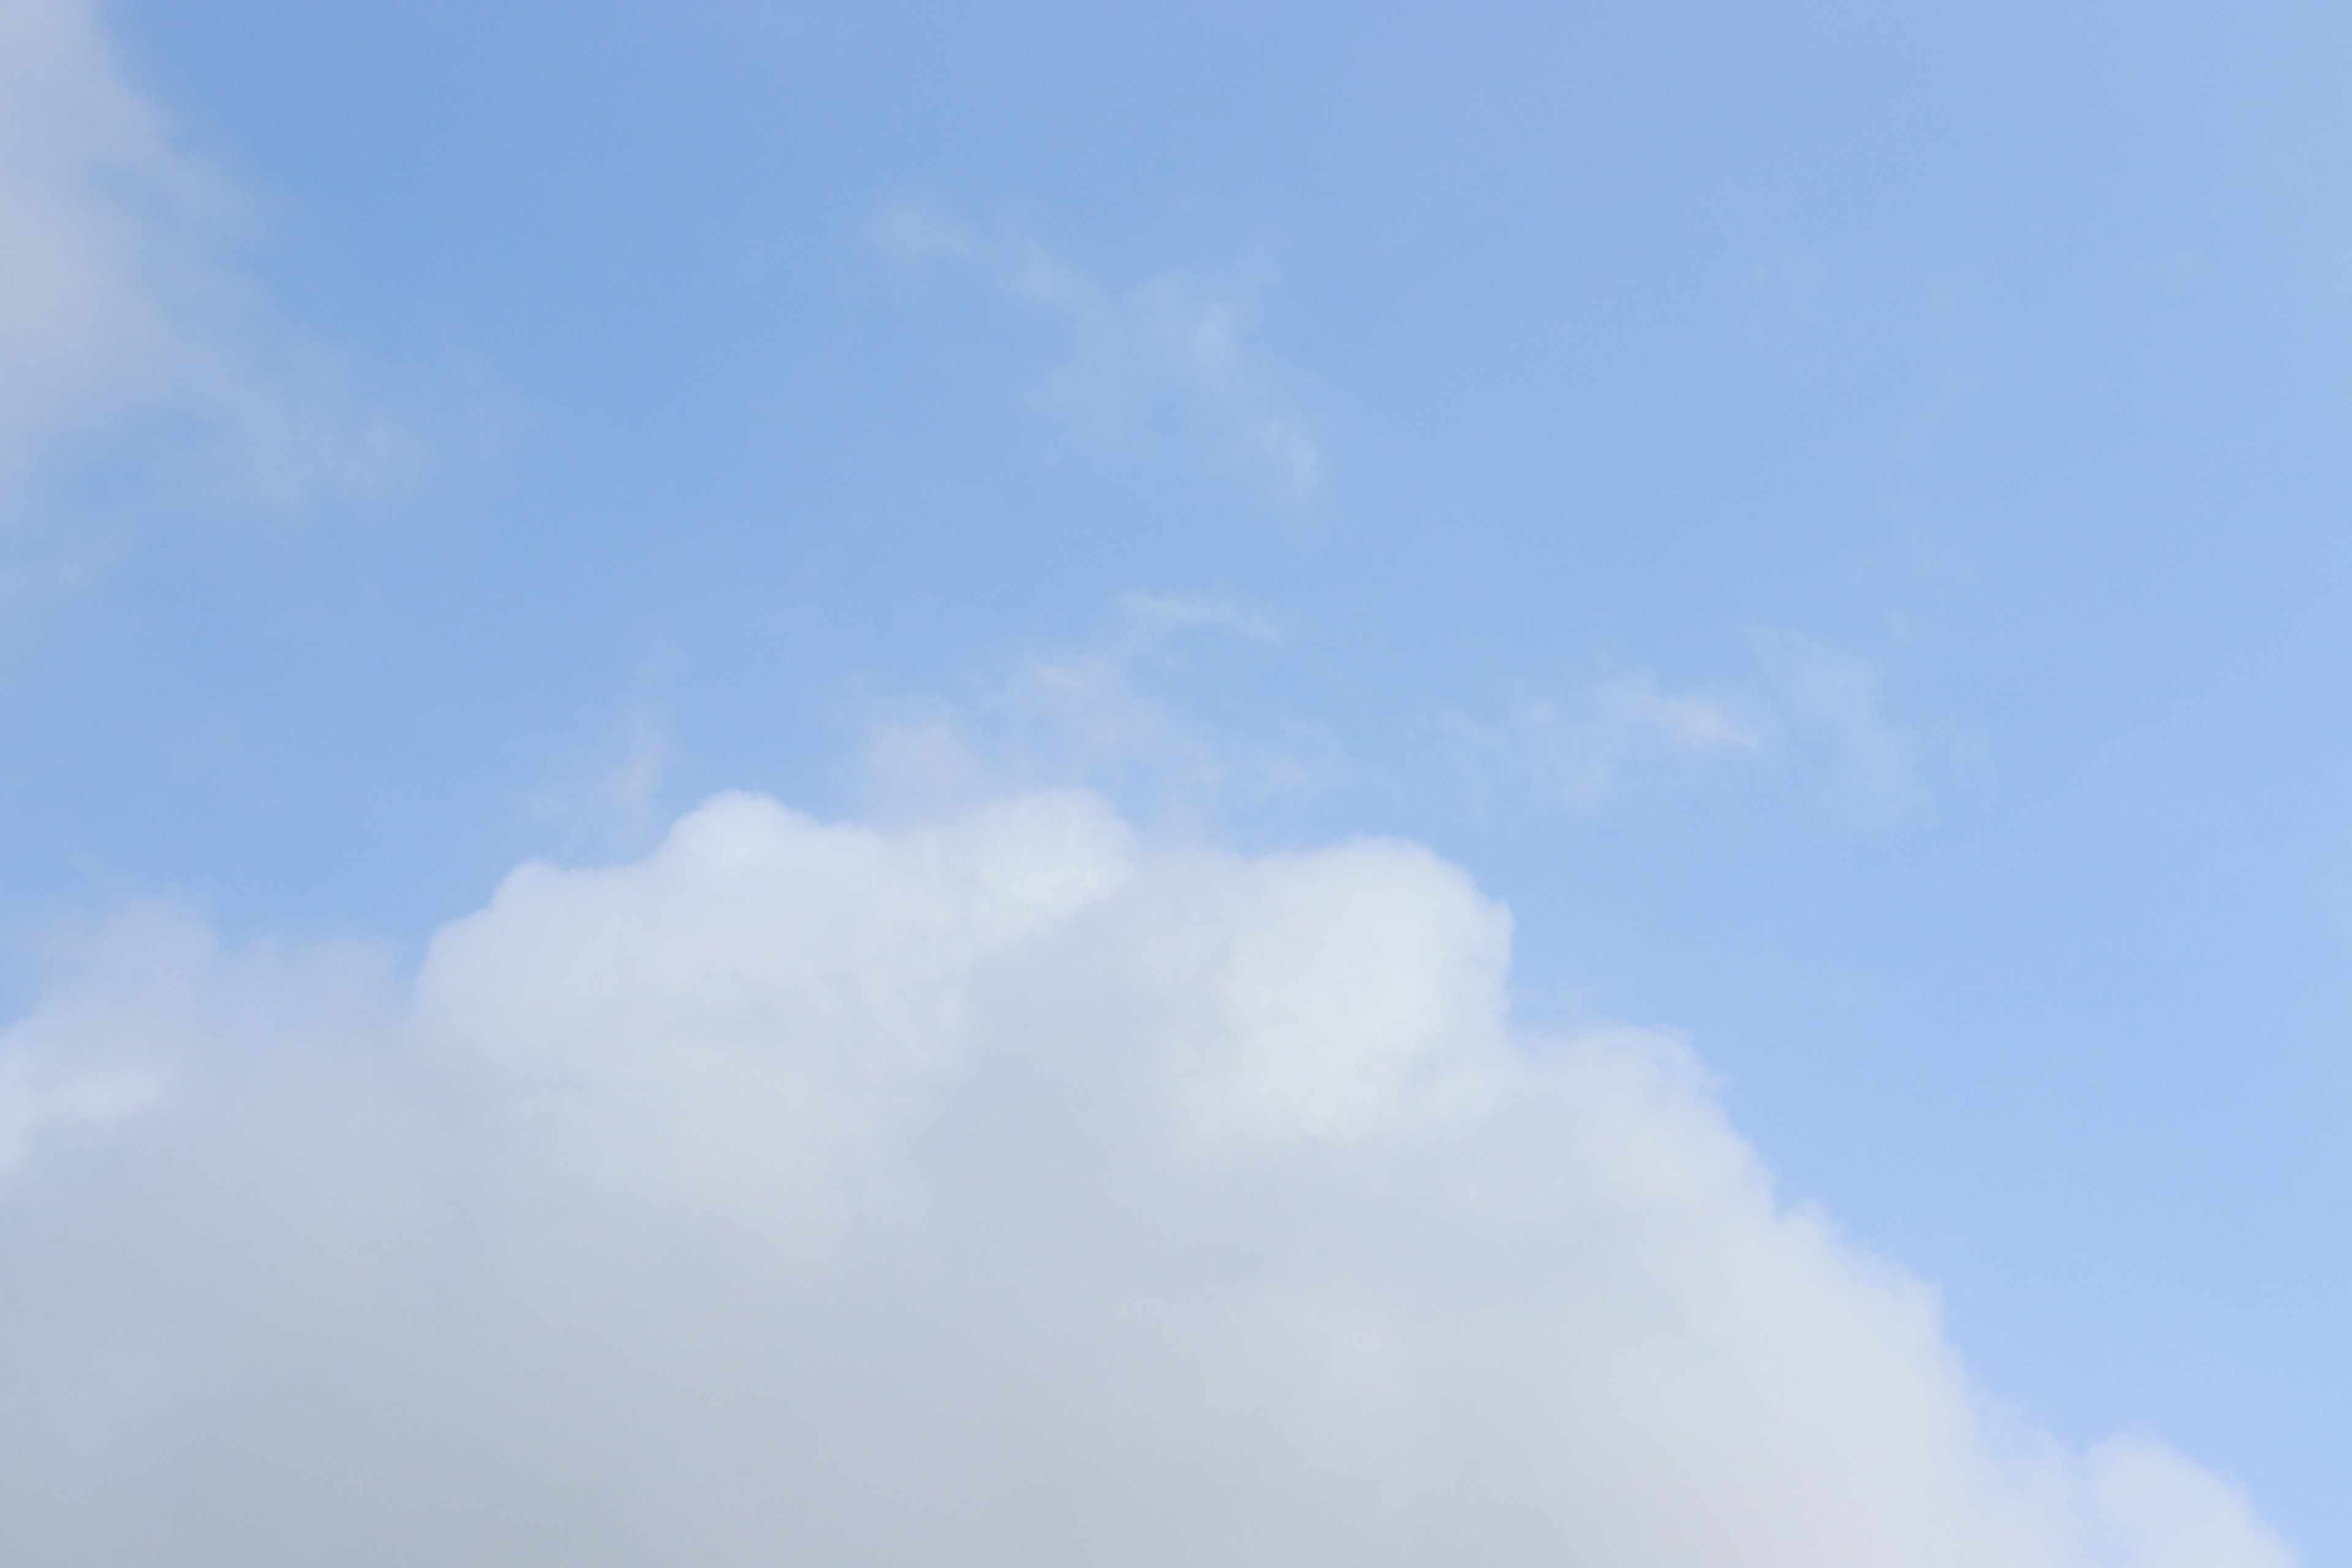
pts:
[1006, 1188]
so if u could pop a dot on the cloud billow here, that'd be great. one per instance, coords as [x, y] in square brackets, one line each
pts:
[1003, 1188]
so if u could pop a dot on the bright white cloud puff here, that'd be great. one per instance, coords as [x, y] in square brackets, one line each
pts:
[1003, 1189]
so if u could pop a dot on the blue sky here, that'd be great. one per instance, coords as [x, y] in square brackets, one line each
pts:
[1832, 515]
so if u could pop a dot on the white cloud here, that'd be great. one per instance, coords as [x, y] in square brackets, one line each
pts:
[34, 1104]
[1127, 345]
[124, 327]
[1003, 1188]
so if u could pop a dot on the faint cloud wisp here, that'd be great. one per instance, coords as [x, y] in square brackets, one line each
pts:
[1803, 702]
[1126, 345]
[610, 799]
[1629, 726]
[1836, 696]
[125, 328]
[1099, 715]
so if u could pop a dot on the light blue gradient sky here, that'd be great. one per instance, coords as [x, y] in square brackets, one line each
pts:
[1836, 514]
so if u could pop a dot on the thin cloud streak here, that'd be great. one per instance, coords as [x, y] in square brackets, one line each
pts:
[1804, 704]
[126, 328]
[1127, 344]
[1096, 715]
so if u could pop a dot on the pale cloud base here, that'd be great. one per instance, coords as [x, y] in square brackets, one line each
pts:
[1002, 1187]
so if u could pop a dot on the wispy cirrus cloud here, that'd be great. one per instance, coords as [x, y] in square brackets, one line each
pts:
[1625, 728]
[1127, 346]
[129, 336]
[1115, 713]
[608, 797]
[1835, 698]
[1099, 714]
[1797, 703]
